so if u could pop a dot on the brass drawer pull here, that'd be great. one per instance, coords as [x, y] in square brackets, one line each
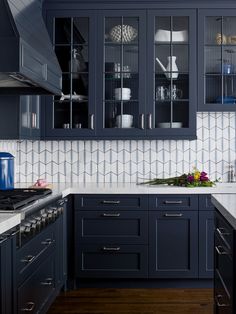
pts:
[47, 282]
[29, 308]
[222, 232]
[218, 298]
[28, 259]
[47, 242]
[173, 215]
[110, 215]
[173, 202]
[220, 250]
[110, 202]
[111, 249]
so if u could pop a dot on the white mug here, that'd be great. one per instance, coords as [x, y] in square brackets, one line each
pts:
[122, 93]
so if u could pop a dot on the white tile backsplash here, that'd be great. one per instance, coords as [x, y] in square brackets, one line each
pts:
[129, 160]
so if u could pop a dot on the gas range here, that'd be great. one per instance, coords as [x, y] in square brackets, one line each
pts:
[36, 208]
[17, 199]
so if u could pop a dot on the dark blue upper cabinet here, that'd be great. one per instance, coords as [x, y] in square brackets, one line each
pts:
[20, 117]
[171, 74]
[121, 64]
[217, 60]
[72, 114]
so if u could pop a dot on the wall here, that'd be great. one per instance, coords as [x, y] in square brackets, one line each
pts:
[129, 161]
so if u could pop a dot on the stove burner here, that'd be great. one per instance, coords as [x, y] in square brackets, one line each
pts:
[17, 198]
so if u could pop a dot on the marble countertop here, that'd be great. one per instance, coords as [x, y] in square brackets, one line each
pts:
[226, 204]
[8, 221]
[132, 188]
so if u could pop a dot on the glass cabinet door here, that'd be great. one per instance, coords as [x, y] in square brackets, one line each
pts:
[171, 63]
[218, 72]
[73, 111]
[121, 88]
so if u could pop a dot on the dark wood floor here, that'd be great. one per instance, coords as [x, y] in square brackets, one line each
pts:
[134, 301]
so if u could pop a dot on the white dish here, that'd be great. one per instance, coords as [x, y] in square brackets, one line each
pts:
[167, 125]
[124, 121]
[165, 36]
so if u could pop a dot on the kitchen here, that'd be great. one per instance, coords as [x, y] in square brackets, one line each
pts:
[147, 92]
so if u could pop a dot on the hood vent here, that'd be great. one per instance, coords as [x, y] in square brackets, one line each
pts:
[28, 64]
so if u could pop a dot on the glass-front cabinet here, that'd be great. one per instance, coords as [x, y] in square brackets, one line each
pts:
[217, 60]
[73, 112]
[121, 71]
[171, 64]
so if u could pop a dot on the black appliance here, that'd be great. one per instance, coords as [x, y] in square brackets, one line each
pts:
[28, 64]
[38, 209]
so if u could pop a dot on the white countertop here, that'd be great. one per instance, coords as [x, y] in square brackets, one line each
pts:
[133, 188]
[226, 204]
[8, 221]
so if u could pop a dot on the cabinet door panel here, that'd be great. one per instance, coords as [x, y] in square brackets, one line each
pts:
[173, 244]
[111, 261]
[171, 69]
[113, 226]
[121, 70]
[216, 60]
[206, 243]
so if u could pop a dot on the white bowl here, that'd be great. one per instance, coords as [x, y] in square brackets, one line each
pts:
[177, 36]
[128, 33]
[124, 121]
[167, 125]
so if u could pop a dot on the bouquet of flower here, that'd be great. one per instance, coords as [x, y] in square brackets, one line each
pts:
[193, 179]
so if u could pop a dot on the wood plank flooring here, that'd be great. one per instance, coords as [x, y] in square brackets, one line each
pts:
[134, 301]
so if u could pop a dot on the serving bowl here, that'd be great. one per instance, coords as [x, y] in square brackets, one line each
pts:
[167, 125]
[165, 35]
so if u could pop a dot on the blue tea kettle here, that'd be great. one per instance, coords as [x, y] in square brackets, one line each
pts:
[6, 171]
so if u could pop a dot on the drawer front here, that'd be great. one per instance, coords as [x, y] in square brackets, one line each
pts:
[205, 202]
[111, 202]
[34, 251]
[223, 303]
[37, 289]
[124, 227]
[224, 230]
[224, 263]
[173, 202]
[111, 261]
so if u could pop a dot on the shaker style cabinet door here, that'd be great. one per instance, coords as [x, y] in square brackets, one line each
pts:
[72, 114]
[217, 60]
[121, 73]
[171, 73]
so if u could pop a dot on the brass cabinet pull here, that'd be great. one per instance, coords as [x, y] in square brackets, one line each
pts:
[111, 249]
[92, 121]
[173, 215]
[110, 202]
[218, 298]
[47, 242]
[142, 121]
[222, 232]
[150, 121]
[110, 214]
[28, 259]
[173, 202]
[29, 307]
[47, 282]
[220, 250]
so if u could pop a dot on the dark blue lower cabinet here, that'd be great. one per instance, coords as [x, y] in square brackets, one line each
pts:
[6, 275]
[206, 244]
[173, 244]
[111, 261]
[34, 293]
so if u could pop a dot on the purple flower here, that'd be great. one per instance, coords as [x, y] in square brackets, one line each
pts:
[204, 178]
[203, 174]
[190, 178]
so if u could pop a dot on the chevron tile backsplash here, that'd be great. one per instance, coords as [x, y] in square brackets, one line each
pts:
[129, 160]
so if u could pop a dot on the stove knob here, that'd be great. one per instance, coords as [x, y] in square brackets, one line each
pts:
[50, 215]
[38, 222]
[44, 219]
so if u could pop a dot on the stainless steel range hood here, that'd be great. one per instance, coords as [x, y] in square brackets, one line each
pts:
[28, 64]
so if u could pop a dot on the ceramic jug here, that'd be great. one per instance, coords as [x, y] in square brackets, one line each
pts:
[171, 70]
